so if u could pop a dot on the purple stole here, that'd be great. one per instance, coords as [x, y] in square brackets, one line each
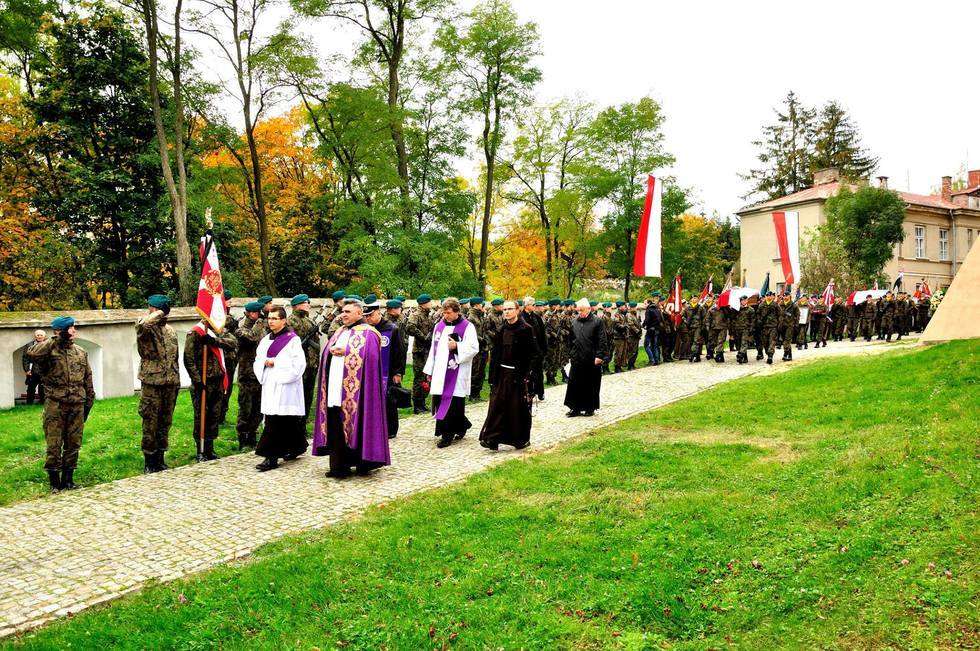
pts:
[362, 399]
[279, 343]
[452, 370]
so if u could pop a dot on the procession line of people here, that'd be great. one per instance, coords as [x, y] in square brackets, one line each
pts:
[351, 386]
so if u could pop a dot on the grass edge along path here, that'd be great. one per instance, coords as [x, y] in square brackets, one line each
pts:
[671, 528]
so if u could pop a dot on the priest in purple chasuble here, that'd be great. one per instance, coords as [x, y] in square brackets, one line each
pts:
[448, 367]
[350, 423]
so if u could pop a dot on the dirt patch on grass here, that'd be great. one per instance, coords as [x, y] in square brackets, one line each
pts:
[777, 450]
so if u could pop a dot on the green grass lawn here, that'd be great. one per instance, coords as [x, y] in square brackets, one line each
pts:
[833, 505]
[111, 444]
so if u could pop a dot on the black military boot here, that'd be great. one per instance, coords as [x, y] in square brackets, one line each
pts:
[67, 483]
[55, 480]
[445, 441]
[270, 463]
[758, 355]
[720, 357]
[889, 337]
[789, 355]
[149, 463]
[769, 359]
[161, 464]
[209, 454]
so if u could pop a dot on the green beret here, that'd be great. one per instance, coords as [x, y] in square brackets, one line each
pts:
[568, 302]
[265, 300]
[607, 304]
[299, 298]
[423, 299]
[253, 306]
[400, 297]
[158, 301]
[539, 303]
[554, 301]
[620, 303]
[62, 323]
[464, 301]
[227, 294]
[353, 297]
[632, 303]
[476, 300]
[339, 295]
[393, 303]
[593, 303]
[497, 301]
[370, 298]
[655, 295]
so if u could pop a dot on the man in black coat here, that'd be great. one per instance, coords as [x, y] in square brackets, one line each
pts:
[533, 319]
[653, 323]
[589, 353]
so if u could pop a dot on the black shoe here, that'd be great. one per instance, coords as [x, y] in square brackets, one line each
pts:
[209, 454]
[521, 446]
[573, 413]
[696, 359]
[806, 346]
[363, 471]
[66, 479]
[270, 463]
[769, 360]
[789, 356]
[419, 410]
[720, 357]
[489, 446]
[758, 356]
[161, 464]
[589, 414]
[55, 480]
[149, 463]
[338, 474]
[292, 456]
[445, 441]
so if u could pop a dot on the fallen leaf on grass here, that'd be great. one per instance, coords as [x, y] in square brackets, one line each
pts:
[181, 598]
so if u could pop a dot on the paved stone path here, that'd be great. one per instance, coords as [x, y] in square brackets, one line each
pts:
[63, 553]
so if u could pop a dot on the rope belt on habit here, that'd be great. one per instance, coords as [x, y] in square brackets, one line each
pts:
[505, 366]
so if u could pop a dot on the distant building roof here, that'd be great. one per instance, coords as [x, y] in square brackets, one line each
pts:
[826, 190]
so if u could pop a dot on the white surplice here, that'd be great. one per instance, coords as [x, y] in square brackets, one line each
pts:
[438, 360]
[282, 384]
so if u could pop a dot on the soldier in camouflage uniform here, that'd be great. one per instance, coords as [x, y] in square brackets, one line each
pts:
[419, 326]
[744, 325]
[767, 322]
[566, 316]
[789, 320]
[868, 315]
[818, 323]
[394, 312]
[159, 375]
[212, 385]
[301, 323]
[231, 359]
[250, 331]
[687, 332]
[702, 336]
[333, 322]
[477, 316]
[634, 331]
[900, 324]
[802, 329]
[619, 326]
[837, 319]
[68, 398]
[552, 330]
[717, 319]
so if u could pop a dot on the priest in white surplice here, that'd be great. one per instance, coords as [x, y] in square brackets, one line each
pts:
[454, 345]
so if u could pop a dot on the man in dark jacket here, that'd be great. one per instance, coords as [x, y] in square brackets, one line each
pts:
[590, 351]
[653, 325]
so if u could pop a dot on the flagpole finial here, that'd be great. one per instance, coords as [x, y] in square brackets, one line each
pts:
[207, 218]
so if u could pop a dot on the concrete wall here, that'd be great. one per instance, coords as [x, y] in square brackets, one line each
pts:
[760, 253]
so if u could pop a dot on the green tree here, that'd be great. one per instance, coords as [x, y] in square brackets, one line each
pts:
[784, 152]
[21, 23]
[837, 143]
[627, 145]
[98, 132]
[491, 56]
[822, 259]
[868, 223]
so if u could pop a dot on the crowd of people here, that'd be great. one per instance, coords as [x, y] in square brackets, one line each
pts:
[343, 367]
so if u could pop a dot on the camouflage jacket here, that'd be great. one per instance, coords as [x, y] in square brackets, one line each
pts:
[420, 325]
[156, 343]
[620, 323]
[479, 320]
[767, 315]
[744, 319]
[65, 371]
[194, 353]
[789, 315]
[717, 318]
[248, 335]
[691, 318]
[305, 329]
[634, 325]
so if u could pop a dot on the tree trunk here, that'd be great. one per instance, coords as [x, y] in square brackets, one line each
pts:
[185, 272]
[253, 154]
[398, 134]
[629, 270]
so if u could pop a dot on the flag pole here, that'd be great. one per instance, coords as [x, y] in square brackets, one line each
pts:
[204, 397]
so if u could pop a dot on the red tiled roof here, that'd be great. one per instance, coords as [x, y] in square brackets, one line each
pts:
[967, 190]
[827, 190]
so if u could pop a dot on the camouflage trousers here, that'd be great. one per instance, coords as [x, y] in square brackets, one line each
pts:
[682, 343]
[789, 338]
[720, 337]
[418, 377]
[249, 413]
[634, 350]
[156, 408]
[63, 426]
[620, 353]
[769, 337]
[477, 374]
[552, 361]
[213, 398]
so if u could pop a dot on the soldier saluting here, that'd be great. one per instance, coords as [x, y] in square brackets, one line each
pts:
[69, 397]
[156, 343]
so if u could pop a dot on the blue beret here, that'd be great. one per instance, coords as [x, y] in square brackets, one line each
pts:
[253, 306]
[476, 300]
[338, 295]
[299, 298]
[497, 301]
[393, 303]
[423, 299]
[62, 323]
[227, 294]
[158, 301]
[264, 300]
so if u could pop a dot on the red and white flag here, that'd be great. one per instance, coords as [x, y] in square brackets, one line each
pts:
[211, 300]
[856, 298]
[828, 293]
[646, 260]
[732, 297]
[925, 291]
[788, 238]
[674, 300]
[708, 289]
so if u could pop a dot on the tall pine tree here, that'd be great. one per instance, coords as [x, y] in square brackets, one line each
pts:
[838, 144]
[784, 152]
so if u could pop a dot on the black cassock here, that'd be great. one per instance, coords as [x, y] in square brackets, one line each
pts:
[534, 320]
[515, 352]
[587, 341]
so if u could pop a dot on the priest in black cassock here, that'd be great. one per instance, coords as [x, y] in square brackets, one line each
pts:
[515, 352]
[589, 354]
[533, 319]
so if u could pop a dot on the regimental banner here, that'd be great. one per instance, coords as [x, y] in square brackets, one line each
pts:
[210, 290]
[647, 258]
[787, 226]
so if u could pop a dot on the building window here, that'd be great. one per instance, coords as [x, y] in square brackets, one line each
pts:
[943, 244]
[969, 239]
[920, 241]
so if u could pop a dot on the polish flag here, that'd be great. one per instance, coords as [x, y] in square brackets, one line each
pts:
[856, 298]
[732, 297]
[646, 261]
[708, 289]
[828, 293]
[211, 300]
[674, 300]
[788, 238]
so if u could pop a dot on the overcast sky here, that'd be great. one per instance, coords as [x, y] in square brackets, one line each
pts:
[904, 70]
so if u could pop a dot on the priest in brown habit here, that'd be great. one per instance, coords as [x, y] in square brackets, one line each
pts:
[515, 352]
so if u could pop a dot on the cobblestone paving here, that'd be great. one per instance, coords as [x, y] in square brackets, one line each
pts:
[70, 551]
